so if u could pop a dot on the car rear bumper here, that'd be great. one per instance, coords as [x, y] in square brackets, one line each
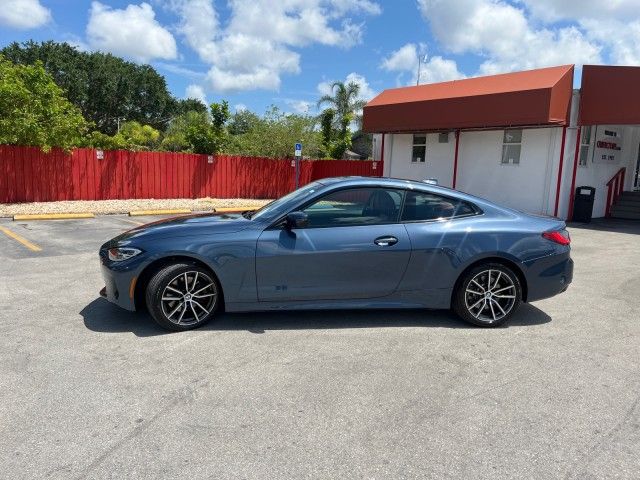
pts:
[549, 276]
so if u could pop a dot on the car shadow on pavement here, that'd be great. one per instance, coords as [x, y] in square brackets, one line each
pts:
[615, 225]
[102, 316]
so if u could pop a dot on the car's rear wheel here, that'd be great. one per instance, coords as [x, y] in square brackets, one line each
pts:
[488, 295]
[182, 296]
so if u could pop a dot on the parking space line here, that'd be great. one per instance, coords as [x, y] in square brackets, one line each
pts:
[131, 221]
[31, 246]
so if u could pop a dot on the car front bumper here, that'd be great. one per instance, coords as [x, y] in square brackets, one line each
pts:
[120, 280]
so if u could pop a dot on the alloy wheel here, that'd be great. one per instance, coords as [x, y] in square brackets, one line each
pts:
[188, 298]
[490, 295]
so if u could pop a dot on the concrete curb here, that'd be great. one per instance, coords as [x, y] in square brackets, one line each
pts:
[139, 213]
[54, 216]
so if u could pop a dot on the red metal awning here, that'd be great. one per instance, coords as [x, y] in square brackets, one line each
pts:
[609, 95]
[534, 97]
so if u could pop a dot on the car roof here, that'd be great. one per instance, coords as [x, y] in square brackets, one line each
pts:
[404, 184]
[386, 182]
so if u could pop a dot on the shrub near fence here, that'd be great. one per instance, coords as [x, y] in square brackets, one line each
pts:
[29, 175]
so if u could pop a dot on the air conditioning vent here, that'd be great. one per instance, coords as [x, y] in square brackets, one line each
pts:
[443, 137]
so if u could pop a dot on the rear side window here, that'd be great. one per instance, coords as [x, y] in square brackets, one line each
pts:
[423, 206]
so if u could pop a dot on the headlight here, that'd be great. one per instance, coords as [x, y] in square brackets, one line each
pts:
[122, 253]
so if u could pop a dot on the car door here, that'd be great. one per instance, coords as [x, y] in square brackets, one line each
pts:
[353, 248]
[438, 231]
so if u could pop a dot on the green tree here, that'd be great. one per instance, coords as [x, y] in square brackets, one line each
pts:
[242, 121]
[34, 110]
[106, 89]
[138, 136]
[199, 132]
[132, 136]
[345, 107]
[274, 135]
[344, 101]
[182, 106]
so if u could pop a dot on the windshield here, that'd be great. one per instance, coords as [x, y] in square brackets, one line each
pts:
[278, 207]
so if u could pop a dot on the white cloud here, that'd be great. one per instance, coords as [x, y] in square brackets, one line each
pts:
[554, 10]
[257, 44]
[621, 38]
[614, 24]
[438, 69]
[24, 14]
[503, 34]
[366, 92]
[132, 32]
[432, 69]
[300, 106]
[240, 107]
[196, 92]
[405, 59]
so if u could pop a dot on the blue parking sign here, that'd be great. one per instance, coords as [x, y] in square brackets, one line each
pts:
[298, 149]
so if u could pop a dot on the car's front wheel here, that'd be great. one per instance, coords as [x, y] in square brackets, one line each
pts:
[488, 295]
[182, 296]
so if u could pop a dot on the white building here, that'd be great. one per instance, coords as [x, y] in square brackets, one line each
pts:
[524, 139]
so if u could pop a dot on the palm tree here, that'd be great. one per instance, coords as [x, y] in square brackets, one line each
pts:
[344, 101]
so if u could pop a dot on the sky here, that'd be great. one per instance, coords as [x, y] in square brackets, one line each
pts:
[257, 53]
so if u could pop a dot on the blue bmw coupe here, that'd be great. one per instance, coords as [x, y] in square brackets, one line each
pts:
[351, 242]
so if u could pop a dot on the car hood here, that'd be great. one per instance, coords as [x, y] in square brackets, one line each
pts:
[189, 225]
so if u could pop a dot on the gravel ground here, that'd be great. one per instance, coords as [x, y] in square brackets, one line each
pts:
[124, 206]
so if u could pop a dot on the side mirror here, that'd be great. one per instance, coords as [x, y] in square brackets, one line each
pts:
[296, 220]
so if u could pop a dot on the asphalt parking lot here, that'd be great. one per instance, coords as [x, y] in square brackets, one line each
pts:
[90, 391]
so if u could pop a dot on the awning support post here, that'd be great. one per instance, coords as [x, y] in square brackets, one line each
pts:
[455, 159]
[564, 137]
[573, 177]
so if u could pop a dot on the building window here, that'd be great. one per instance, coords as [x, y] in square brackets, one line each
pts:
[511, 146]
[585, 142]
[419, 149]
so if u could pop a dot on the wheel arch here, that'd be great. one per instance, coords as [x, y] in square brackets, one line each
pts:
[507, 262]
[157, 264]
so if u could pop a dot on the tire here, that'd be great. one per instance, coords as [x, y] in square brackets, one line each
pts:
[488, 295]
[183, 296]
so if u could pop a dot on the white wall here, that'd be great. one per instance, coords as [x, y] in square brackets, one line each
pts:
[525, 186]
[479, 169]
[438, 164]
[596, 174]
[530, 186]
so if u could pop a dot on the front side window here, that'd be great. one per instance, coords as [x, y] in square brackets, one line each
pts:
[279, 206]
[356, 206]
[585, 142]
[511, 147]
[423, 206]
[419, 152]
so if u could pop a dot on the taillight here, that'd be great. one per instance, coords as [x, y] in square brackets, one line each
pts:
[558, 236]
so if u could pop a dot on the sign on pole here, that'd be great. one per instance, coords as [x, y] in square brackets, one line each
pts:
[298, 154]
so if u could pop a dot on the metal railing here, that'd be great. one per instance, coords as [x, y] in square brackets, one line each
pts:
[614, 189]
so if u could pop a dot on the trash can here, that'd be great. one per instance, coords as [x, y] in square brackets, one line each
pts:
[583, 204]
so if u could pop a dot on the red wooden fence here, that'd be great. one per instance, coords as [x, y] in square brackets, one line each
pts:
[29, 175]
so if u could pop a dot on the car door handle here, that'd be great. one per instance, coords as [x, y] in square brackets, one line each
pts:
[385, 241]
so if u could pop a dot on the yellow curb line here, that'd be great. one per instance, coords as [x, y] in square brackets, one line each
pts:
[234, 209]
[138, 213]
[54, 216]
[31, 246]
